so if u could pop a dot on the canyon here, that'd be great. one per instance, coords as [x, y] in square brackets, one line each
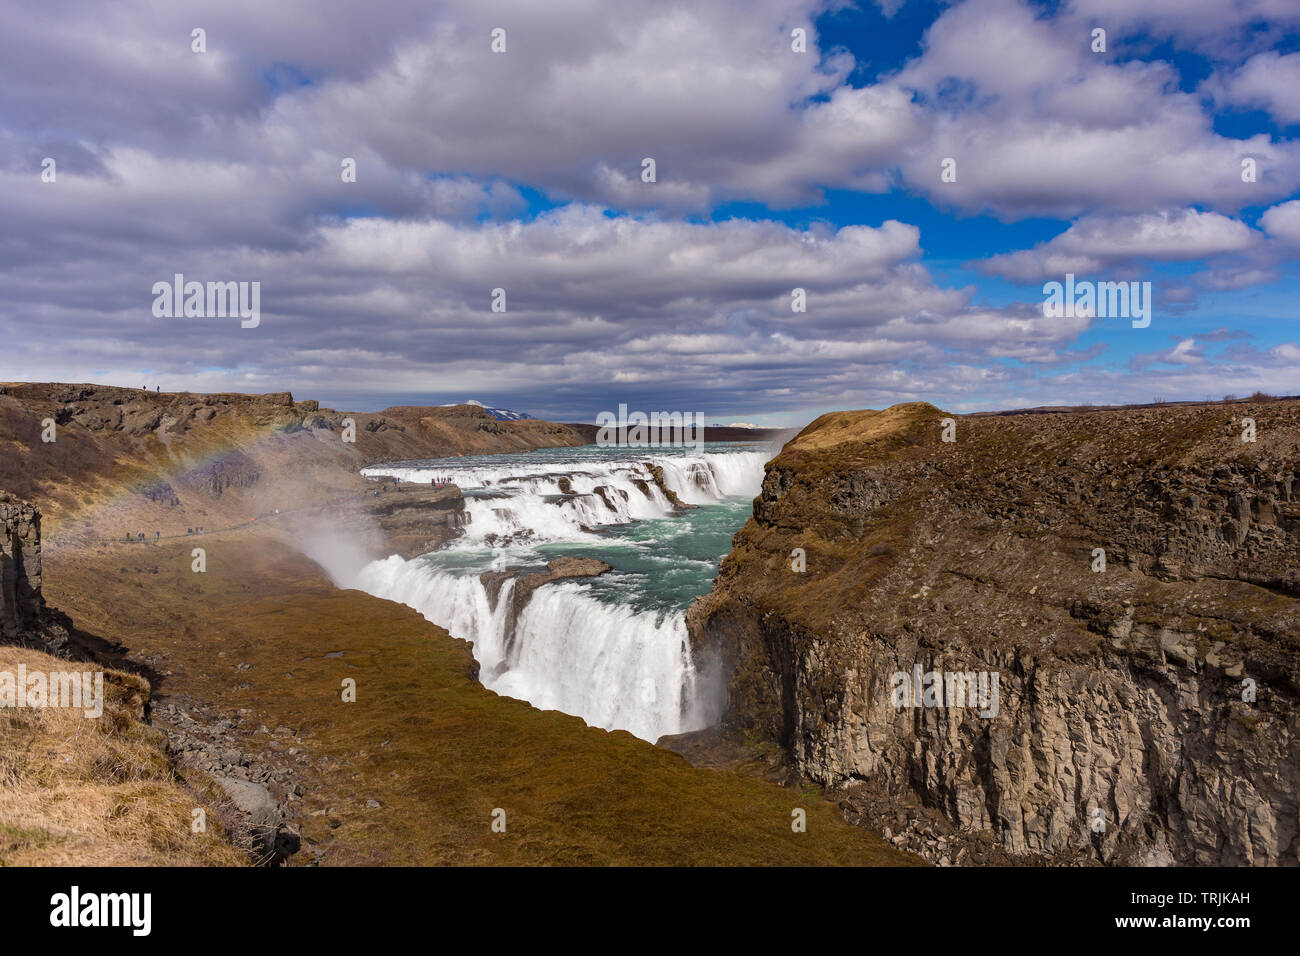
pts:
[1130, 576]
[223, 686]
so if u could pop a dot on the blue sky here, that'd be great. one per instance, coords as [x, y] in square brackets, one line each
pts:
[776, 169]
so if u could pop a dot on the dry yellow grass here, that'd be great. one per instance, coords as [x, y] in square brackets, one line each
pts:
[96, 791]
[836, 428]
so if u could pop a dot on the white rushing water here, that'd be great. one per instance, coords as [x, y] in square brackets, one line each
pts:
[612, 650]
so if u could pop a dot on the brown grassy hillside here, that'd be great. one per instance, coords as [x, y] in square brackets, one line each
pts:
[130, 460]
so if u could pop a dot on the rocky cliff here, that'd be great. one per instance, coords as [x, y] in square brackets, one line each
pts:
[20, 566]
[1119, 588]
[24, 618]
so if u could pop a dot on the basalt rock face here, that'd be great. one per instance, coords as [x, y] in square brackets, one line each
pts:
[231, 470]
[20, 566]
[1144, 713]
[24, 618]
[416, 519]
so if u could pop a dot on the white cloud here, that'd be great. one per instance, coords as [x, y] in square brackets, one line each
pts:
[594, 301]
[1268, 81]
[1212, 26]
[586, 90]
[1040, 125]
[1283, 221]
[1097, 243]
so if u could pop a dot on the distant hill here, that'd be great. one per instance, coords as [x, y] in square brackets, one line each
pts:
[500, 414]
[711, 433]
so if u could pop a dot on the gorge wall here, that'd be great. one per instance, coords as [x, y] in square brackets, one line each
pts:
[20, 566]
[1146, 713]
[24, 618]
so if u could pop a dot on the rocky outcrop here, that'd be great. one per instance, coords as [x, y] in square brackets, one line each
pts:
[200, 737]
[657, 473]
[416, 519]
[232, 470]
[24, 618]
[611, 496]
[160, 492]
[1123, 586]
[20, 566]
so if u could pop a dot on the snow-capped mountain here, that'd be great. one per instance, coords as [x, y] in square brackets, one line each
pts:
[500, 414]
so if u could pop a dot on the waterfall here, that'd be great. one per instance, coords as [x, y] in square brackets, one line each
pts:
[616, 665]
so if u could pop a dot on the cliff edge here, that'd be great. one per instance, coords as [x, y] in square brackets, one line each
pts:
[1122, 587]
[24, 618]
